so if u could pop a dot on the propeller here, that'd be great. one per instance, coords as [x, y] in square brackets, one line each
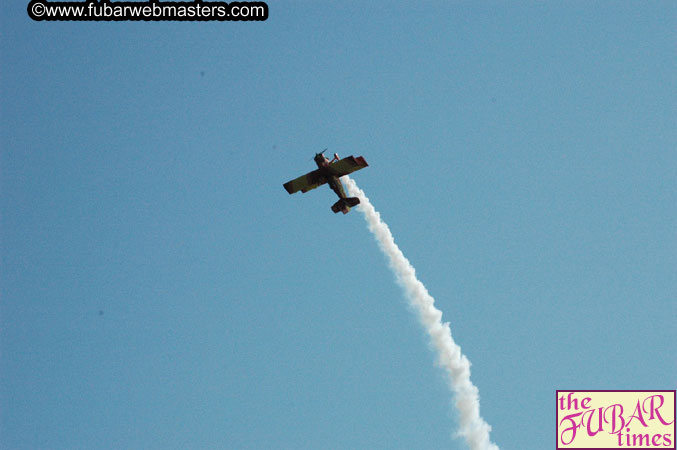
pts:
[321, 152]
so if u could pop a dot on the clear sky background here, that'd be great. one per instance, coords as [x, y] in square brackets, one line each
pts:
[161, 290]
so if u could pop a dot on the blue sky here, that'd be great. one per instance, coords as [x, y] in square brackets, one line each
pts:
[161, 290]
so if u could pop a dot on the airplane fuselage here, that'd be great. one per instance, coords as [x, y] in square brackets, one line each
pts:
[333, 181]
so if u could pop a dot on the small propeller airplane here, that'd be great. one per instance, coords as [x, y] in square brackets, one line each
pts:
[329, 172]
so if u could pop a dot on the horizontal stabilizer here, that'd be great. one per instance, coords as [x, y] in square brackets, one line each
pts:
[352, 201]
[344, 204]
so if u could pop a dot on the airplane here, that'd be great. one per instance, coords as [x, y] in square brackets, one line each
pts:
[329, 172]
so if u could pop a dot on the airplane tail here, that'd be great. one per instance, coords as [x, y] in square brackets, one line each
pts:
[344, 204]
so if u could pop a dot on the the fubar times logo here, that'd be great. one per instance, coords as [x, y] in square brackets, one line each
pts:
[606, 420]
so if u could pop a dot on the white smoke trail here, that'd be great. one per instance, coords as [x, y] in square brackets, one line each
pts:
[472, 427]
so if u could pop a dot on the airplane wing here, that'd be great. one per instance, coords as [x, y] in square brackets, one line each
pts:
[347, 165]
[306, 182]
